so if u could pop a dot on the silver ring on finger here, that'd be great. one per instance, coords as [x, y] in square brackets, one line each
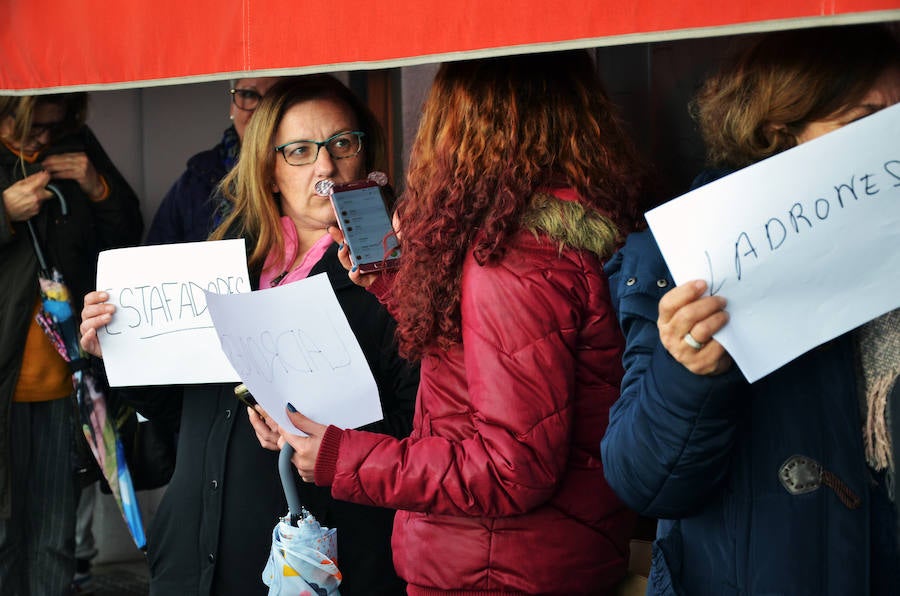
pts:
[689, 340]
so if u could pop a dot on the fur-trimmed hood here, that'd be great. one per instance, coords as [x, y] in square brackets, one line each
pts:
[572, 224]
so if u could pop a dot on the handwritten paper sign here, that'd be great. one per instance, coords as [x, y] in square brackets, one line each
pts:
[293, 344]
[161, 332]
[805, 245]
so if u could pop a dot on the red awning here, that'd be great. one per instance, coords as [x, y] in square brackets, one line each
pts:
[97, 44]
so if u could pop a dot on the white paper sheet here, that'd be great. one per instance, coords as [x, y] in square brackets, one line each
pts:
[161, 332]
[293, 344]
[805, 245]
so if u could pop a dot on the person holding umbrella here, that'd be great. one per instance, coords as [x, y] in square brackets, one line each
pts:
[45, 142]
[212, 533]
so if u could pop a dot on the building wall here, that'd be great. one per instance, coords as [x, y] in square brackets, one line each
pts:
[150, 133]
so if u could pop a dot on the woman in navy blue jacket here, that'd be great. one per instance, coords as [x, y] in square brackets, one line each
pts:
[760, 488]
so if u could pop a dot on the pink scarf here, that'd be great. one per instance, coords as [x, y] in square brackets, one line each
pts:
[272, 274]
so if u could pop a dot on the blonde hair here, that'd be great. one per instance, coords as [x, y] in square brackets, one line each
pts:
[256, 211]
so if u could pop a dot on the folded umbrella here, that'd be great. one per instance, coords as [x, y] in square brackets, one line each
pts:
[303, 560]
[57, 320]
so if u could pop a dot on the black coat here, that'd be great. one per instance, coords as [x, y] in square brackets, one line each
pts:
[70, 242]
[213, 530]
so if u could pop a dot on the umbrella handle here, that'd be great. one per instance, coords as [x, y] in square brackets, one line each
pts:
[286, 471]
[64, 207]
[38, 251]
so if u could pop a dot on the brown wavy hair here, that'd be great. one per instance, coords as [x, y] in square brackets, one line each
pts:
[766, 94]
[256, 209]
[492, 132]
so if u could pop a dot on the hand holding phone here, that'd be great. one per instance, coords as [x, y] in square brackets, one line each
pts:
[362, 214]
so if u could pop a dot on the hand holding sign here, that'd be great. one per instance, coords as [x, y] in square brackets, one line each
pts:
[790, 240]
[685, 312]
[161, 332]
[293, 344]
[306, 448]
[95, 315]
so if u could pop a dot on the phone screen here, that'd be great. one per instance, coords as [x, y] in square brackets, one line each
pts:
[366, 225]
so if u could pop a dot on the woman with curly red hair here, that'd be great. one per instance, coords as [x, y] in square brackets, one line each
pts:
[521, 183]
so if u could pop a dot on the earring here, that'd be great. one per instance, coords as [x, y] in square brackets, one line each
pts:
[231, 116]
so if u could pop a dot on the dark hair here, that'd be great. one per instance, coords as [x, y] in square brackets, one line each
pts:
[765, 95]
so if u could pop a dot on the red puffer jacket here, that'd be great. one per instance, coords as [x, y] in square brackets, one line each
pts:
[500, 486]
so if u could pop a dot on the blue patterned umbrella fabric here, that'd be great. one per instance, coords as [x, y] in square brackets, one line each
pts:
[303, 559]
[57, 319]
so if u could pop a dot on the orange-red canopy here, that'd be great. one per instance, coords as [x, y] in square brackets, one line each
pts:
[97, 44]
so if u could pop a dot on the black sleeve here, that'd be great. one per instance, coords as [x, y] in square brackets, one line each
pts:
[398, 384]
[396, 378]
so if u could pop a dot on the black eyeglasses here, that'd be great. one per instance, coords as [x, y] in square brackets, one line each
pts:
[245, 99]
[340, 146]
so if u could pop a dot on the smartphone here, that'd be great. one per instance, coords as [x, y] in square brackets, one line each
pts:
[362, 212]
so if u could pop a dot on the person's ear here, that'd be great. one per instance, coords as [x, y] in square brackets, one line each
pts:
[7, 126]
[778, 136]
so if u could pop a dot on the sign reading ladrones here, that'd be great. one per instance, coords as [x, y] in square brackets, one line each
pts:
[804, 245]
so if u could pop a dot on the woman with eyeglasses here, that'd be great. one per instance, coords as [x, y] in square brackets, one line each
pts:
[45, 141]
[213, 531]
[192, 209]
